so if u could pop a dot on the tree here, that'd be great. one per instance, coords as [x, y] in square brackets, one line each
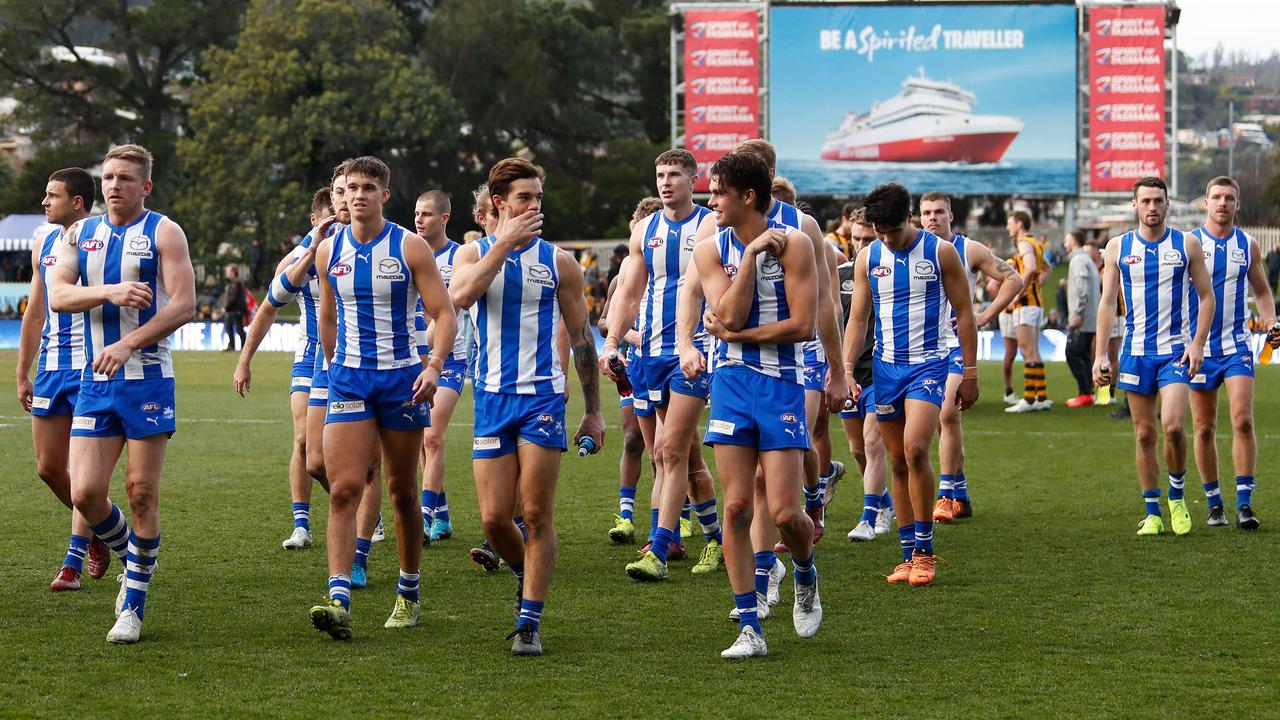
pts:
[309, 83]
[24, 193]
[132, 92]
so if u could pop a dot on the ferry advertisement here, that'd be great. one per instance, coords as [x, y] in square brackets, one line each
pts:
[958, 98]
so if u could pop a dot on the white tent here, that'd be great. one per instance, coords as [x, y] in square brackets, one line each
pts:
[20, 232]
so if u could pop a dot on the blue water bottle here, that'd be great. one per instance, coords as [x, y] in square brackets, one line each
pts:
[586, 446]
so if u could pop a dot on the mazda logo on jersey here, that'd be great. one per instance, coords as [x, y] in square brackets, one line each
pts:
[446, 272]
[49, 260]
[91, 244]
[1131, 259]
[389, 265]
[771, 265]
[540, 275]
[340, 270]
[925, 270]
[139, 243]
[880, 271]
[1237, 256]
[847, 285]
[654, 242]
[1173, 257]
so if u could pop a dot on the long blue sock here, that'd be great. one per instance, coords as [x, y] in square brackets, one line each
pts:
[709, 520]
[409, 585]
[1244, 490]
[907, 539]
[946, 486]
[138, 568]
[519, 520]
[1151, 498]
[870, 508]
[662, 540]
[764, 563]
[363, 546]
[805, 572]
[924, 536]
[76, 550]
[430, 499]
[1213, 494]
[686, 512]
[114, 531]
[517, 569]
[747, 615]
[530, 614]
[302, 516]
[442, 507]
[812, 497]
[626, 503]
[1177, 485]
[653, 523]
[340, 589]
[961, 489]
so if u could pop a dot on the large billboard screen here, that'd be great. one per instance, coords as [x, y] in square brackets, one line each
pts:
[965, 99]
[1126, 96]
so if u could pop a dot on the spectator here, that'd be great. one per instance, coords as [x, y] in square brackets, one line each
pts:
[255, 262]
[233, 307]
[620, 251]
[1060, 300]
[1273, 266]
[207, 302]
[1084, 288]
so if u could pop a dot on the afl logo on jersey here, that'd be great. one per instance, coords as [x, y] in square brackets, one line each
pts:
[540, 274]
[91, 244]
[49, 260]
[1131, 259]
[730, 270]
[880, 271]
[340, 270]
[654, 242]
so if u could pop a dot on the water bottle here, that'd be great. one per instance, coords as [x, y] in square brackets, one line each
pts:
[1106, 374]
[619, 370]
[586, 446]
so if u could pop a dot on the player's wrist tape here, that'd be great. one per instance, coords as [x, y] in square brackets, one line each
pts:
[431, 362]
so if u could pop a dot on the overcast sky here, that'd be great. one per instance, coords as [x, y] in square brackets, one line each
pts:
[1250, 25]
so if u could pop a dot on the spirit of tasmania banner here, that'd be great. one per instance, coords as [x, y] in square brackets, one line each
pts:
[722, 83]
[1126, 96]
[959, 98]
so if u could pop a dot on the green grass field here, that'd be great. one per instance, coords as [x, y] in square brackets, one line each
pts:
[1047, 606]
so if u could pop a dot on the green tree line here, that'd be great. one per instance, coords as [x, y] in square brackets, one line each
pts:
[248, 104]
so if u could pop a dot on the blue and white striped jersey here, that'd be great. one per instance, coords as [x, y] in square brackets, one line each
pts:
[62, 339]
[790, 216]
[668, 250]
[516, 321]
[1153, 276]
[912, 313]
[444, 262]
[376, 298]
[780, 360]
[961, 244]
[1228, 260]
[106, 255]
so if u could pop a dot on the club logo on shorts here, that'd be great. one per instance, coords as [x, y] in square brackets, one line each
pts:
[49, 260]
[167, 414]
[1131, 259]
[654, 242]
[787, 417]
[540, 274]
[90, 245]
[879, 271]
[343, 407]
[925, 270]
[151, 407]
[486, 443]
[340, 270]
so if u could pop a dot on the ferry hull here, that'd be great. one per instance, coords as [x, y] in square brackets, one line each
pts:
[968, 148]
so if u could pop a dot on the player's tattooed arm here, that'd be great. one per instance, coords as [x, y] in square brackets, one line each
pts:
[1010, 281]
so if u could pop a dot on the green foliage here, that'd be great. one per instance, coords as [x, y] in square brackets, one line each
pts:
[25, 191]
[309, 83]
[76, 100]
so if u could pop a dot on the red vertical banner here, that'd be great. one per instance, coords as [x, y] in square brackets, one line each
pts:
[721, 84]
[1126, 96]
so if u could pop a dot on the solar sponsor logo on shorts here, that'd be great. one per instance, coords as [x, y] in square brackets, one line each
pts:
[320, 393]
[486, 443]
[40, 403]
[1129, 378]
[883, 409]
[640, 403]
[723, 427]
[342, 407]
[84, 423]
[303, 381]
[1199, 378]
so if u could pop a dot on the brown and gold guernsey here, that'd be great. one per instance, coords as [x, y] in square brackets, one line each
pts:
[1031, 296]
